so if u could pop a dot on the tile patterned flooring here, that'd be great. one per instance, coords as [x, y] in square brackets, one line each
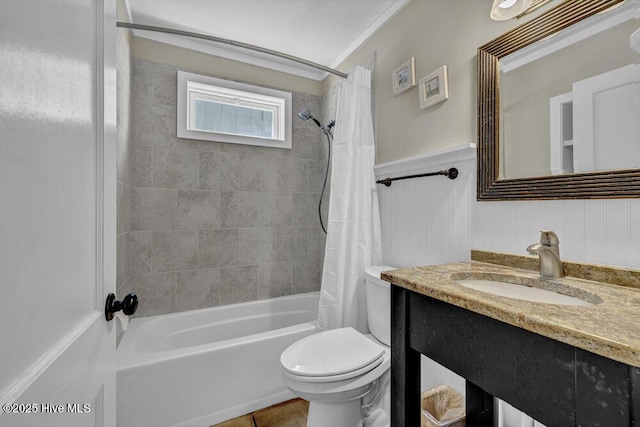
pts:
[292, 413]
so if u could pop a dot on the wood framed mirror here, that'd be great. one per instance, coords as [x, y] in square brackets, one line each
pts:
[491, 185]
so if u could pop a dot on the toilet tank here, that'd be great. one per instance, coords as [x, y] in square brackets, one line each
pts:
[378, 303]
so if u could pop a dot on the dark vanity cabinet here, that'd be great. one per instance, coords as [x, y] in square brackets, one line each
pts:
[555, 383]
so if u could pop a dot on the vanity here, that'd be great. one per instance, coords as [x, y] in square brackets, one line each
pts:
[563, 365]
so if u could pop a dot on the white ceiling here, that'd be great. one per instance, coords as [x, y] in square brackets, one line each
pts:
[322, 31]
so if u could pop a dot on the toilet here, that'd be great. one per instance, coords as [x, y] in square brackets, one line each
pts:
[342, 372]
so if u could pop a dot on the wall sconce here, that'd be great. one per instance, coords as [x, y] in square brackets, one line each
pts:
[507, 9]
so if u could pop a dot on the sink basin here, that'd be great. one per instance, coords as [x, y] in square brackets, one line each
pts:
[527, 289]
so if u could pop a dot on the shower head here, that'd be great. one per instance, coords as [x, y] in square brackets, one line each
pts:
[305, 114]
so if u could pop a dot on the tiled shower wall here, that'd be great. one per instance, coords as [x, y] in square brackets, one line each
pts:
[214, 223]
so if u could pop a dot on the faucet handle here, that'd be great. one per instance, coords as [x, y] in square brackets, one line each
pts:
[548, 238]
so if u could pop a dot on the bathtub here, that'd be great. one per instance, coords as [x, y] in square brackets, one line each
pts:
[202, 367]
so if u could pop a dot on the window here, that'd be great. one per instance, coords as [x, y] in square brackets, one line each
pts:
[221, 110]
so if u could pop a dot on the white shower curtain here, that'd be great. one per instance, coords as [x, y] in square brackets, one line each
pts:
[353, 239]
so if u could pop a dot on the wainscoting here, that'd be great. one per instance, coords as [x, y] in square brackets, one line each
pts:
[428, 220]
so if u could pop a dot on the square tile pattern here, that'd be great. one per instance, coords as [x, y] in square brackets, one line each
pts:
[292, 413]
[204, 223]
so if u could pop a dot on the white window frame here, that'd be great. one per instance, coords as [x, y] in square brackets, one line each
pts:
[195, 86]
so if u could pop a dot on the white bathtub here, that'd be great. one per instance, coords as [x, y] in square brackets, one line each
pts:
[202, 367]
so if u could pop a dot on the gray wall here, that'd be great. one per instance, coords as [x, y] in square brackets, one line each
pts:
[214, 223]
[430, 32]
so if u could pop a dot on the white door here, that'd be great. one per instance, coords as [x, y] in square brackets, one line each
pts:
[605, 120]
[57, 212]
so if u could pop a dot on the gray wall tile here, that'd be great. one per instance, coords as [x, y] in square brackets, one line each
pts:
[217, 217]
[218, 248]
[316, 240]
[197, 209]
[305, 209]
[141, 81]
[175, 168]
[258, 173]
[141, 89]
[256, 246]
[123, 214]
[153, 209]
[219, 171]
[175, 250]
[196, 144]
[274, 280]
[291, 243]
[122, 268]
[306, 276]
[283, 210]
[316, 170]
[142, 166]
[164, 85]
[306, 142]
[255, 150]
[292, 175]
[313, 102]
[197, 289]
[153, 124]
[144, 68]
[123, 151]
[156, 293]
[140, 254]
[246, 209]
[238, 284]
[255, 209]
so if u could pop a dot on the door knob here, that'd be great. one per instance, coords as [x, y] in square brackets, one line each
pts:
[128, 305]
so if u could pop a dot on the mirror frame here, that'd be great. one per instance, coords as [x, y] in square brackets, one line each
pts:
[593, 185]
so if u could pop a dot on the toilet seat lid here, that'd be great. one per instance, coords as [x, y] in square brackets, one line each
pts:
[329, 353]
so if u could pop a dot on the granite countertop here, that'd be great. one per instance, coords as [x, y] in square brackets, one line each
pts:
[610, 327]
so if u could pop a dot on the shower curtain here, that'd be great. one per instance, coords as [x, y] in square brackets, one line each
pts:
[353, 239]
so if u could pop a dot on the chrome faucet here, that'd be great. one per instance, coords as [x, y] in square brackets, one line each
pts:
[549, 252]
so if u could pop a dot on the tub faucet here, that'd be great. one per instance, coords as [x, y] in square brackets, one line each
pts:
[548, 251]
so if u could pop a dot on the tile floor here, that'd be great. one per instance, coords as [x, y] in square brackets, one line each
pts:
[292, 413]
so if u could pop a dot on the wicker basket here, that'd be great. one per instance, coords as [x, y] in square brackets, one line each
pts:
[442, 406]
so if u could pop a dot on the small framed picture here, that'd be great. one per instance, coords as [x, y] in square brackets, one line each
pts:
[403, 77]
[434, 88]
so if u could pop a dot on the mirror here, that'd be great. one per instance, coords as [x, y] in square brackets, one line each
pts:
[558, 107]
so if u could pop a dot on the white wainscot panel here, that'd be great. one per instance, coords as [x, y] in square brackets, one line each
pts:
[427, 220]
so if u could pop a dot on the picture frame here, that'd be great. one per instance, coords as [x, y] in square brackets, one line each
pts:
[434, 88]
[403, 77]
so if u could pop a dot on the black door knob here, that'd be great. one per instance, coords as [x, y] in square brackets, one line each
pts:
[128, 305]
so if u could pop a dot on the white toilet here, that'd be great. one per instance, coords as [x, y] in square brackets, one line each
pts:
[335, 369]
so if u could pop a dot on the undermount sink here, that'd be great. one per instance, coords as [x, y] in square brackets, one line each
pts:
[527, 289]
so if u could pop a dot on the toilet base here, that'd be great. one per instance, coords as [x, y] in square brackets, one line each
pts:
[343, 414]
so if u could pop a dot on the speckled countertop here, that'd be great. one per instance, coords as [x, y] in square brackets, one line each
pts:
[610, 327]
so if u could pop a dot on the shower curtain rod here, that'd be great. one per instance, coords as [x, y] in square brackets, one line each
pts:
[232, 43]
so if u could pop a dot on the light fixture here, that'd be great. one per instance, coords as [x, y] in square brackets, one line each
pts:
[507, 9]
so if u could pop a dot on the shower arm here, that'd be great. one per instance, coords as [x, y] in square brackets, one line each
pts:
[232, 43]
